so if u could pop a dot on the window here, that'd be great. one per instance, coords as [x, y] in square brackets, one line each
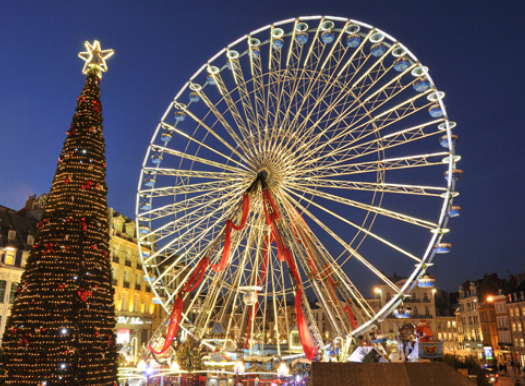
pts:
[448, 324]
[517, 311]
[10, 257]
[136, 303]
[515, 342]
[415, 311]
[520, 327]
[454, 323]
[439, 325]
[513, 327]
[138, 283]
[414, 296]
[124, 301]
[12, 293]
[25, 255]
[425, 296]
[388, 296]
[440, 338]
[390, 327]
[3, 284]
[115, 276]
[427, 311]
[511, 310]
[522, 343]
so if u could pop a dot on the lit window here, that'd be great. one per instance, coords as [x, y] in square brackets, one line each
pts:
[10, 257]
[12, 293]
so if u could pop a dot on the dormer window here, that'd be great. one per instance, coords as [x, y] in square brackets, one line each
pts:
[11, 236]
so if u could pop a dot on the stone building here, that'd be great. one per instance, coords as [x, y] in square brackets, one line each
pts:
[502, 323]
[516, 311]
[137, 314]
[471, 293]
[16, 240]
[421, 300]
[487, 320]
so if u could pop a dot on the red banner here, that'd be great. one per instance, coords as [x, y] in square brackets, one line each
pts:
[175, 317]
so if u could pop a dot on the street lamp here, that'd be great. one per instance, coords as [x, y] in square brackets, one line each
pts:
[239, 367]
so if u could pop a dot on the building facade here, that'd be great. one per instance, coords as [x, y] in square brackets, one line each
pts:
[503, 352]
[135, 311]
[489, 328]
[16, 241]
[516, 312]
[421, 300]
[471, 294]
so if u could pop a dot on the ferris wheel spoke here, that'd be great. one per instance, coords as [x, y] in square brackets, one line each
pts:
[249, 114]
[380, 187]
[181, 173]
[348, 248]
[221, 139]
[190, 188]
[203, 161]
[365, 83]
[259, 98]
[233, 111]
[374, 125]
[183, 222]
[190, 203]
[349, 151]
[192, 225]
[193, 140]
[424, 160]
[351, 105]
[359, 205]
[359, 228]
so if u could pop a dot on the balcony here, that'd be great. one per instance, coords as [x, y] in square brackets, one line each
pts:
[410, 300]
[126, 284]
[426, 300]
[138, 287]
[128, 263]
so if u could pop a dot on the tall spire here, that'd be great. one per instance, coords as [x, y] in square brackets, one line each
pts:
[61, 330]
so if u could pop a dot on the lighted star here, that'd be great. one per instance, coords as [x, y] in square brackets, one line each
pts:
[95, 57]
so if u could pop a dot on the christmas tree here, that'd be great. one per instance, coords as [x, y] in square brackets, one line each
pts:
[61, 329]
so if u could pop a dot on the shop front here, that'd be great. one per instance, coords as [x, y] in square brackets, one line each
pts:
[133, 334]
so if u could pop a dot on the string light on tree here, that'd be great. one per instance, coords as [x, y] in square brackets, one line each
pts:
[61, 329]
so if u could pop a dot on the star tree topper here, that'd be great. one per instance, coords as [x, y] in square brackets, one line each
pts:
[95, 57]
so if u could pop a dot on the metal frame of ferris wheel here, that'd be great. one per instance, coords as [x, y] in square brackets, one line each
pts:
[296, 89]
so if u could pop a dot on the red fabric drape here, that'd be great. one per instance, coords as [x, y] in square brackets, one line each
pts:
[175, 317]
[351, 314]
[228, 234]
[197, 276]
[302, 327]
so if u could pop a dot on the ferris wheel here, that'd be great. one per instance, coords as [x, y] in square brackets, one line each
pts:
[295, 167]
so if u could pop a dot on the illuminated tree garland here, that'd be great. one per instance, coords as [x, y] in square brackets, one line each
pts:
[61, 331]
